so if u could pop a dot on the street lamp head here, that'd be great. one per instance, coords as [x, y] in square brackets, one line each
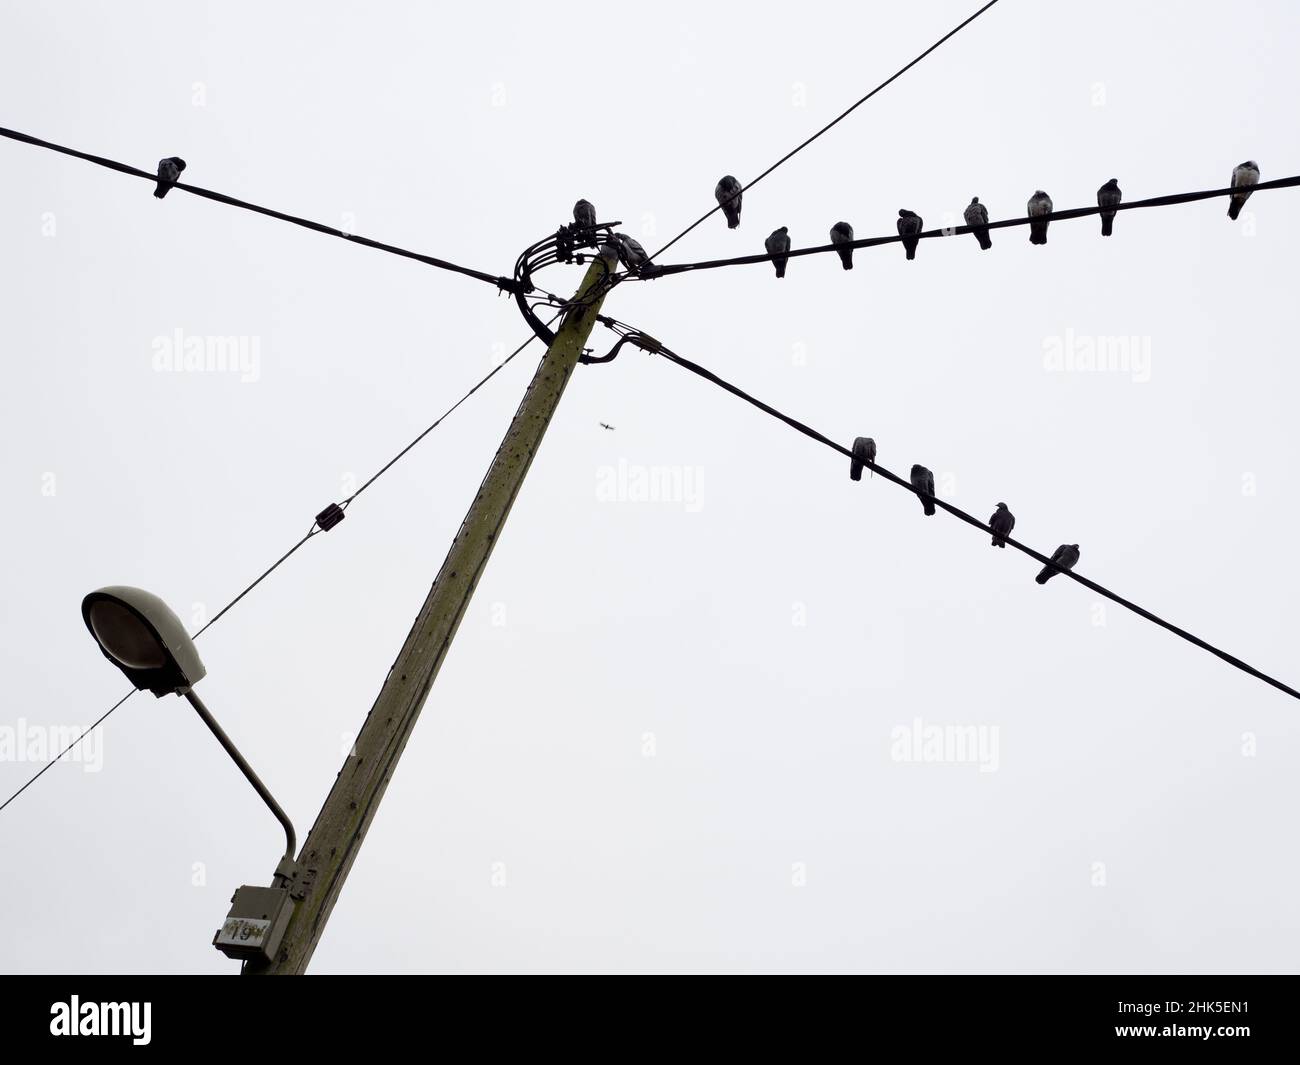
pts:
[143, 637]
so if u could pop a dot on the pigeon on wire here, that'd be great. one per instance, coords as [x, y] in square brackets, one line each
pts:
[923, 482]
[727, 194]
[169, 172]
[632, 255]
[777, 245]
[1108, 195]
[977, 217]
[1039, 204]
[1243, 177]
[584, 215]
[1002, 522]
[842, 235]
[1065, 557]
[909, 224]
[864, 454]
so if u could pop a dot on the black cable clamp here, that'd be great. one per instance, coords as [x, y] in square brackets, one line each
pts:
[329, 517]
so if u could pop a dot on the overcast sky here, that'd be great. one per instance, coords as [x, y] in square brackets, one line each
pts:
[671, 734]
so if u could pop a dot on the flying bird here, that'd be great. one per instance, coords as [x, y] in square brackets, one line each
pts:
[1108, 195]
[727, 194]
[923, 482]
[604, 425]
[864, 454]
[842, 234]
[584, 214]
[1243, 177]
[977, 217]
[777, 245]
[169, 172]
[1039, 204]
[909, 224]
[1002, 522]
[1065, 557]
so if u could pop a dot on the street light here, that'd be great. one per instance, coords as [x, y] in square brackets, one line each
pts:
[143, 637]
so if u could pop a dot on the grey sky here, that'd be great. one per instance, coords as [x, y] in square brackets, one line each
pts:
[771, 626]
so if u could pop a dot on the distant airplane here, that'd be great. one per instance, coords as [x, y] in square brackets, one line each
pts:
[603, 425]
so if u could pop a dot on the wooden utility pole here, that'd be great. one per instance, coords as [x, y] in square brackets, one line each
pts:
[332, 845]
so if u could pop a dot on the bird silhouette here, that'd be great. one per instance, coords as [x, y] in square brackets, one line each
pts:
[1243, 177]
[1108, 195]
[1039, 204]
[923, 482]
[605, 425]
[842, 235]
[584, 214]
[864, 454]
[977, 217]
[169, 172]
[909, 224]
[727, 193]
[1065, 557]
[630, 252]
[1002, 522]
[777, 245]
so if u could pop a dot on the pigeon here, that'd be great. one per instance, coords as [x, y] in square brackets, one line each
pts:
[923, 482]
[977, 217]
[584, 214]
[909, 224]
[1108, 195]
[777, 245]
[1065, 557]
[1039, 204]
[842, 234]
[630, 252]
[169, 172]
[728, 195]
[864, 454]
[1002, 522]
[1243, 177]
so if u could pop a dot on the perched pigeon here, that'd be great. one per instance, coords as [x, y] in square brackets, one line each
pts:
[1065, 557]
[842, 234]
[1108, 195]
[923, 482]
[909, 224]
[584, 214]
[1002, 522]
[777, 245]
[728, 195]
[1039, 204]
[1243, 177]
[864, 453]
[630, 252]
[169, 172]
[977, 217]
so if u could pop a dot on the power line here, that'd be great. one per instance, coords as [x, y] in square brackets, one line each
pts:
[953, 231]
[806, 430]
[315, 530]
[503, 283]
[41, 771]
[835, 121]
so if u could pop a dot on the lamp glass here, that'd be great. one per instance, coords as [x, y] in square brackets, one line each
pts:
[124, 636]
